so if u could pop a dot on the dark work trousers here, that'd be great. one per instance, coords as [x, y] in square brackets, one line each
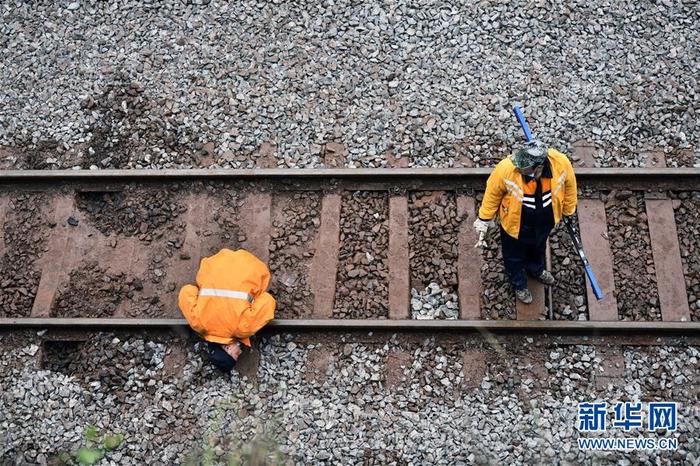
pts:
[522, 256]
[527, 253]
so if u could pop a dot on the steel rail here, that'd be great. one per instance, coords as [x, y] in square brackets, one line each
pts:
[341, 325]
[319, 173]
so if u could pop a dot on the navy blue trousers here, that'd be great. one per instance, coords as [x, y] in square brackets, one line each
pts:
[521, 257]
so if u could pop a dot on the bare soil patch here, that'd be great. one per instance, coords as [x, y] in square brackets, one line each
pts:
[317, 363]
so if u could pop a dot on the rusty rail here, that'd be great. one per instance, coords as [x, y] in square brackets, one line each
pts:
[397, 182]
[342, 325]
[340, 173]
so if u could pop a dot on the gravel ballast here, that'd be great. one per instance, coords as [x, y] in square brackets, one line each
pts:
[354, 399]
[498, 296]
[136, 212]
[633, 263]
[687, 213]
[24, 236]
[432, 240]
[569, 292]
[175, 84]
[91, 292]
[433, 303]
[362, 290]
[295, 223]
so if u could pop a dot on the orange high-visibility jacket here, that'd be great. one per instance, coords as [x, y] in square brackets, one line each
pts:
[230, 301]
[506, 188]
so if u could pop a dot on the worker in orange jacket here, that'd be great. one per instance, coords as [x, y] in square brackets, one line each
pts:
[229, 304]
[530, 191]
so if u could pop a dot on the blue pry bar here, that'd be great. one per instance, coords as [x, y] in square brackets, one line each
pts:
[523, 124]
[594, 283]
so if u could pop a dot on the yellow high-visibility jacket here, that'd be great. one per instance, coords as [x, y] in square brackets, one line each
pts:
[506, 187]
[230, 301]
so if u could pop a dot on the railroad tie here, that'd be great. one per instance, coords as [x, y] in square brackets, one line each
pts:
[256, 213]
[583, 153]
[399, 280]
[673, 298]
[184, 269]
[468, 261]
[536, 309]
[325, 262]
[57, 263]
[594, 236]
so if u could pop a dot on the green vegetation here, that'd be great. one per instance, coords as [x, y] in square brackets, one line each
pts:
[262, 450]
[231, 450]
[94, 449]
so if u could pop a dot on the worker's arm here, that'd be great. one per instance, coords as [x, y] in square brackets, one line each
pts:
[495, 190]
[260, 313]
[187, 301]
[570, 195]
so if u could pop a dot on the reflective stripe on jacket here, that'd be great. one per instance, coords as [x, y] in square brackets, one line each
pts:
[506, 190]
[230, 301]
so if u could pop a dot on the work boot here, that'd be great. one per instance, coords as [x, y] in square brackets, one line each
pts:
[547, 278]
[524, 295]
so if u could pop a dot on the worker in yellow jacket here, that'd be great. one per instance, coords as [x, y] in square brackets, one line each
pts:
[530, 191]
[229, 304]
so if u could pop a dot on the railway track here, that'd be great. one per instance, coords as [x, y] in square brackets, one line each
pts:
[110, 248]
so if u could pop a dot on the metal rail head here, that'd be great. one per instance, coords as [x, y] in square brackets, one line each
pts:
[342, 325]
[8, 176]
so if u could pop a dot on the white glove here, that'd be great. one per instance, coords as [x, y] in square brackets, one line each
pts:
[482, 227]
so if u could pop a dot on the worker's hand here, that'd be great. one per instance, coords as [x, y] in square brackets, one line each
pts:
[233, 350]
[482, 227]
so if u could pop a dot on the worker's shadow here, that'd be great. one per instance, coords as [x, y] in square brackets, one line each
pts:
[249, 361]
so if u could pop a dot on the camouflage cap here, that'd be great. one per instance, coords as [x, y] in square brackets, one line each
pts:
[533, 153]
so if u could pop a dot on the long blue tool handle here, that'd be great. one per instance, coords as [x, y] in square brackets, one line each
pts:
[597, 291]
[594, 283]
[523, 124]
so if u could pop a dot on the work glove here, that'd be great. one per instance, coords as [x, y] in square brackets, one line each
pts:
[482, 227]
